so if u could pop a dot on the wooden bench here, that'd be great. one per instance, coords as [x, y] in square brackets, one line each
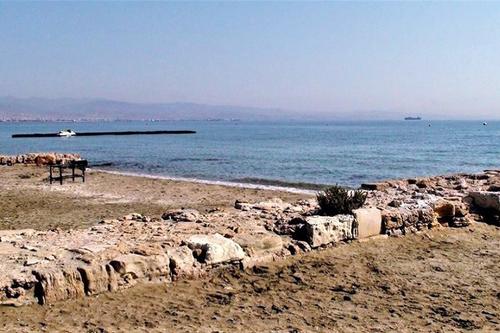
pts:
[72, 165]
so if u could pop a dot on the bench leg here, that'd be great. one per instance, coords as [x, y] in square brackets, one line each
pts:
[73, 173]
[50, 174]
[60, 176]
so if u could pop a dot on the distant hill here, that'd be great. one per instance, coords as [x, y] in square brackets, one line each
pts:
[102, 109]
[13, 108]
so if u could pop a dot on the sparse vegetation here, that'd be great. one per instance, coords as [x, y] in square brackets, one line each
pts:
[338, 200]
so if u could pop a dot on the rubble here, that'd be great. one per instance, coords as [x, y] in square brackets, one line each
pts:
[48, 266]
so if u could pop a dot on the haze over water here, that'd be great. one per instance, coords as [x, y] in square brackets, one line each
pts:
[348, 153]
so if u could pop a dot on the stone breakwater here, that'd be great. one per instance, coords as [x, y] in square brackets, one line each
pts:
[48, 266]
[37, 158]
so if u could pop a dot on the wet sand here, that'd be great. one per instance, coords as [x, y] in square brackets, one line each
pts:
[442, 280]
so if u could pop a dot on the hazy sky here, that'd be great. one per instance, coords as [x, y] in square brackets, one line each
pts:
[441, 58]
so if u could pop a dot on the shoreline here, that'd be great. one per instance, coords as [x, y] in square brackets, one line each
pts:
[252, 186]
[145, 236]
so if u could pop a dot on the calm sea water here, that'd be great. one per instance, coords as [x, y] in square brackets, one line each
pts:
[348, 153]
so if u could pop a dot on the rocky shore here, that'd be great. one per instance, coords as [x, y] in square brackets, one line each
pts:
[48, 266]
[38, 159]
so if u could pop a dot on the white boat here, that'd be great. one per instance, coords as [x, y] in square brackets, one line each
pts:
[66, 133]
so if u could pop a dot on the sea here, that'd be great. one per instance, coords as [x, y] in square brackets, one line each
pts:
[306, 155]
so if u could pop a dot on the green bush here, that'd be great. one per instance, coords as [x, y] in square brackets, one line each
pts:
[337, 200]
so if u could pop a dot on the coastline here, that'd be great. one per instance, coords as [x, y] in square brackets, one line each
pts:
[210, 182]
[148, 230]
[28, 201]
[270, 151]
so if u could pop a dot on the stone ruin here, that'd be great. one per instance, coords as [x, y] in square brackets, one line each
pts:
[414, 204]
[48, 266]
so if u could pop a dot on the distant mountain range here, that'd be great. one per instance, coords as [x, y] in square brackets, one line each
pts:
[12, 108]
[81, 109]
[45, 109]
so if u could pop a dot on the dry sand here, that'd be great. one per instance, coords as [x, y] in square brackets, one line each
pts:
[28, 201]
[441, 280]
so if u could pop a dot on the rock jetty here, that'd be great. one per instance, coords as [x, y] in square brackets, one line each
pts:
[37, 158]
[48, 266]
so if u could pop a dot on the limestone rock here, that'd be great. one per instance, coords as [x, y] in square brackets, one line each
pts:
[323, 230]
[133, 217]
[461, 210]
[31, 262]
[58, 284]
[245, 206]
[15, 235]
[486, 200]
[98, 278]
[182, 215]
[273, 204]
[17, 288]
[374, 186]
[182, 262]
[408, 218]
[423, 183]
[298, 246]
[391, 219]
[215, 248]
[258, 244]
[130, 267]
[444, 209]
[38, 158]
[368, 222]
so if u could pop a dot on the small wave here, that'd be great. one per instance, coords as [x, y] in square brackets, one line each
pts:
[214, 182]
[280, 183]
[356, 177]
[194, 159]
[103, 164]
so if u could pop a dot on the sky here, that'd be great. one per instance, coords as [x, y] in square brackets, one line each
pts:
[428, 58]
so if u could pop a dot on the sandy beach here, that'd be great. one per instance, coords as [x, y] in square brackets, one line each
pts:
[437, 280]
[244, 166]
[28, 201]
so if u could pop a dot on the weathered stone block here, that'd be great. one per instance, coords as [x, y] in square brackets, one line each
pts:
[411, 218]
[58, 284]
[131, 267]
[322, 230]
[486, 200]
[182, 262]
[368, 222]
[444, 209]
[98, 278]
[215, 248]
